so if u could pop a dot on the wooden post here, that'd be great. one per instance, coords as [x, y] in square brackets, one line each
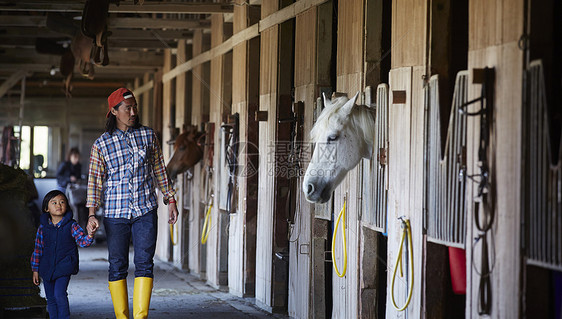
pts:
[220, 105]
[245, 100]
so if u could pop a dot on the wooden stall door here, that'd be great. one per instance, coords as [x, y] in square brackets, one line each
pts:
[245, 99]
[405, 197]
[350, 77]
[272, 253]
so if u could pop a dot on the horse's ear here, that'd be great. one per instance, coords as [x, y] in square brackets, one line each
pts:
[348, 106]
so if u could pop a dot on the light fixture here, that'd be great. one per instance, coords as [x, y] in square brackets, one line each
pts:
[53, 70]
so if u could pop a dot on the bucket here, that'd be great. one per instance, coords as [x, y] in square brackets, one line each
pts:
[457, 263]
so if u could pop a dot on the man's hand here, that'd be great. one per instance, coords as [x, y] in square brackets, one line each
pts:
[173, 210]
[93, 223]
[91, 228]
[36, 278]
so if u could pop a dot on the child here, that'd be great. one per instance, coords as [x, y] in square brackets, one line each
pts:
[56, 255]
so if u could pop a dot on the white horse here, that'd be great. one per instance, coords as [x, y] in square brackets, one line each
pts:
[344, 133]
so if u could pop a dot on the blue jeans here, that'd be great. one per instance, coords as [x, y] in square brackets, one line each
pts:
[57, 297]
[142, 230]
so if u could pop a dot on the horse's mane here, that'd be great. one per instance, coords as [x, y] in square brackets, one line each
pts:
[361, 120]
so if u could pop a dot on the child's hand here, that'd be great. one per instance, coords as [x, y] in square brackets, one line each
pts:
[91, 230]
[36, 278]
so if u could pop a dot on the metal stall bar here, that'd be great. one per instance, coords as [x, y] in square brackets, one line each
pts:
[375, 190]
[542, 203]
[445, 175]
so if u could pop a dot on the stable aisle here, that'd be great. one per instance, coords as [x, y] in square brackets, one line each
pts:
[176, 294]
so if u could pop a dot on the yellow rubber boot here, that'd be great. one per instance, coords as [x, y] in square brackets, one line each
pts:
[118, 290]
[141, 297]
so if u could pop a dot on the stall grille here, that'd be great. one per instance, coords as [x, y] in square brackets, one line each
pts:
[541, 177]
[445, 218]
[375, 179]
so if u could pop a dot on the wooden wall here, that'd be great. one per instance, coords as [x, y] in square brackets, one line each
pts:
[409, 23]
[300, 248]
[405, 190]
[245, 99]
[183, 118]
[405, 153]
[199, 115]
[271, 271]
[163, 241]
[494, 31]
[182, 108]
[268, 101]
[220, 105]
[350, 76]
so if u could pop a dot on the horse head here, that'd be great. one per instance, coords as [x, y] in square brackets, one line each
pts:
[343, 134]
[187, 152]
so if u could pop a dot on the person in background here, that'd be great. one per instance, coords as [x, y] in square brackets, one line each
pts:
[55, 257]
[128, 158]
[69, 171]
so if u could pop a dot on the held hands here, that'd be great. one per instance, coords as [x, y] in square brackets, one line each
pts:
[93, 223]
[36, 280]
[92, 226]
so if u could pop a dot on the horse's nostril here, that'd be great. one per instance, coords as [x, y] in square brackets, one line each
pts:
[309, 189]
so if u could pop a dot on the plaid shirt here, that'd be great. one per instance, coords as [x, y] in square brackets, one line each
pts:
[82, 239]
[127, 162]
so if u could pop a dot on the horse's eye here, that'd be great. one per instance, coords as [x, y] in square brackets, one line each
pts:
[332, 138]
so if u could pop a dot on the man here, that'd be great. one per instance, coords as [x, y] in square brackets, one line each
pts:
[127, 157]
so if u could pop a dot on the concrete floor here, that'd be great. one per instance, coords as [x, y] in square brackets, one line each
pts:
[176, 294]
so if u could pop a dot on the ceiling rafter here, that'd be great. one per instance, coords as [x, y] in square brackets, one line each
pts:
[147, 7]
[12, 80]
[113, 22]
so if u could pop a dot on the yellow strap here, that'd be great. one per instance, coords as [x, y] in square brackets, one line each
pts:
[207, 225]
[342, 214]
[174, 242]
[406, 232]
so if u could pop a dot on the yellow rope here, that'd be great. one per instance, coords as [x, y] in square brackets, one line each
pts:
[172, 234]
[207, 225]
[407, 231]
[342, 214]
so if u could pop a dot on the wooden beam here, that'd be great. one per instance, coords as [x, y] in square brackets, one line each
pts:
[113, 23]
[116, 34]
[117, 57]
[144, 88]
[147, 7]
[150, 23]
[11, 81]
[55, 102]
[154, 43]
[106, 69]
[244, 35]
[251, 32]
[75, 84]
[287, 13]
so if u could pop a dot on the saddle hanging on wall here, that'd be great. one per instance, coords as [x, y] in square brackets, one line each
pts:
[94, 26]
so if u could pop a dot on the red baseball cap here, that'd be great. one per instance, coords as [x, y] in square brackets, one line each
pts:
[117, 97]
